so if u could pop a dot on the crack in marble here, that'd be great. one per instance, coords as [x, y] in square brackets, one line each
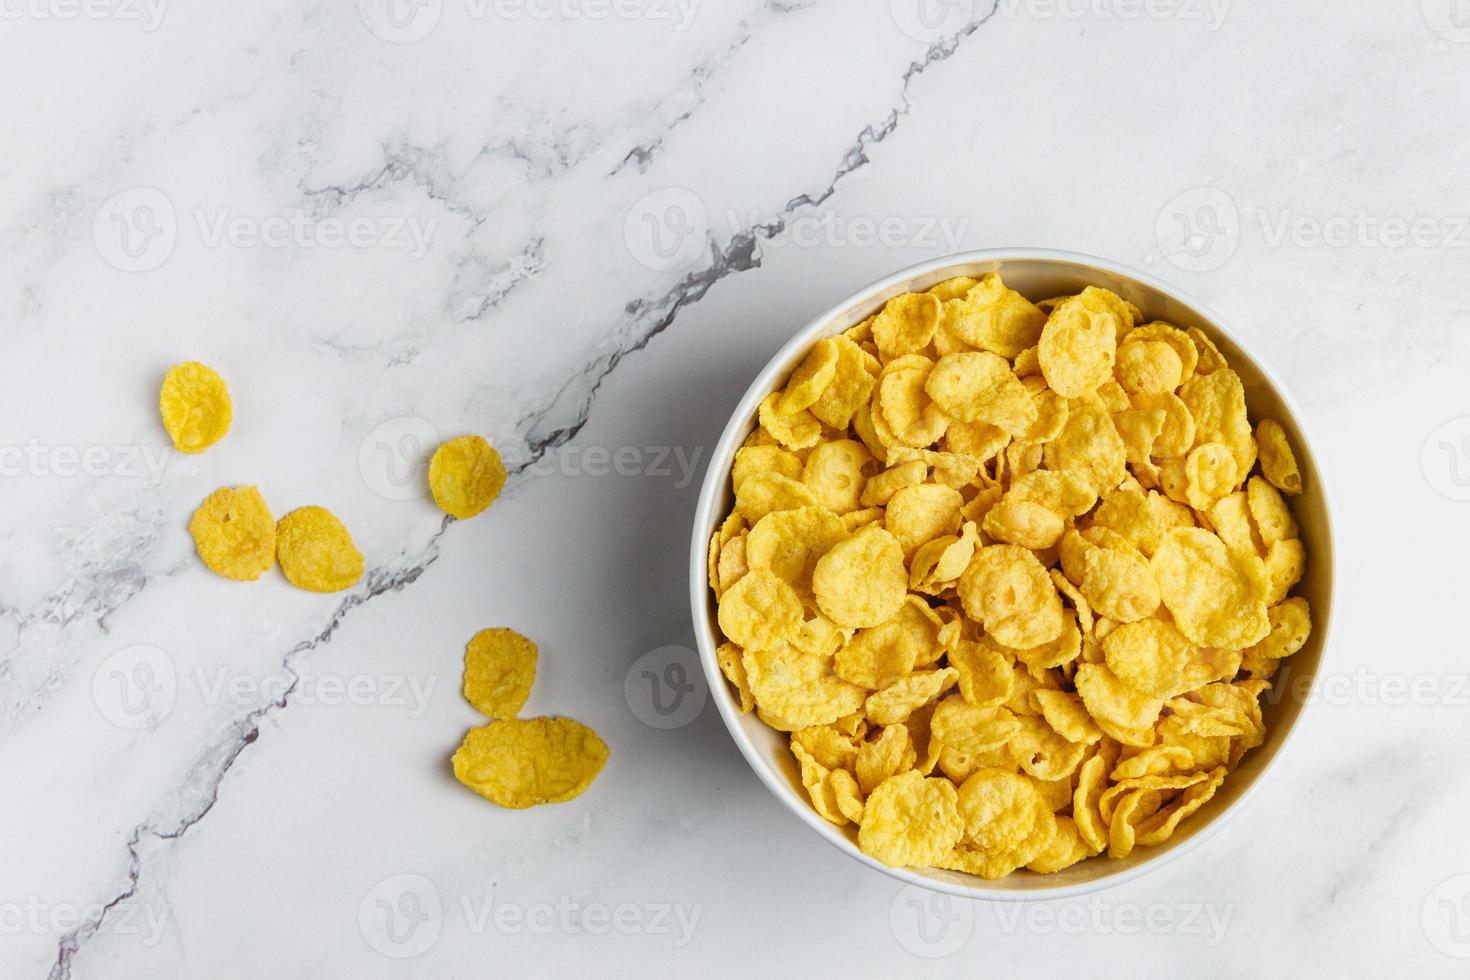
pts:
[642, 154]
[222, 756]
[740, 255]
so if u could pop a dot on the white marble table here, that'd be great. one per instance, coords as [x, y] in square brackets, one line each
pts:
[580, 229]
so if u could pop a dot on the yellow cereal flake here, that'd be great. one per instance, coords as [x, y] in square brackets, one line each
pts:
[195, 405]
[234, 533]
[465, 476]
[521, 763]
[499, 669]
[316, 551]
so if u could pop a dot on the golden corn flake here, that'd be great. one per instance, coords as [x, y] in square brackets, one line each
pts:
[1272, 516]
[836, 473]
[904, 414]
[732, 664]
[911, 821]
[1148, 656]
[195, 405]
[761, 610]
[794, 430]
[906, 324]
[758, 460]
[520, 763]
[1118, 584]
[852, 382]
[799, 688]
[876, 657]
[1217, 596]
[234, 533]
[919, 514]
[898, 700]
[1009, 592]
[465, 476]
[1079, 342]
[499, 668]
[1014, 576]
[1177, 339]
[789, 543]
[1209, 473]
[1278, 462]
[978, 386]
[316, 551]
[1089, 447]
[810, 379]
[766, 493]
[993, 317]
[861, 581]
[1149, 366]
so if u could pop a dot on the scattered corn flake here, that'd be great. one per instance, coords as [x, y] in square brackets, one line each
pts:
[195, 405]
[465, 476]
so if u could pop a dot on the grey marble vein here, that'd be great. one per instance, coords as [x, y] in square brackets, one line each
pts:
[544, 429]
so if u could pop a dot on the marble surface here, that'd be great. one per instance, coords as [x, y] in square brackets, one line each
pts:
[580, 228]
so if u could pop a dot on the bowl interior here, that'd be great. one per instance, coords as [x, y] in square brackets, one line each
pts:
[1038, 277]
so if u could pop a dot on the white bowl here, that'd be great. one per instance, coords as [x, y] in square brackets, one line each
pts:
[1038, 274]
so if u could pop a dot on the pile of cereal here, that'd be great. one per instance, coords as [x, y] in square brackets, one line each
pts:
[1007, 575]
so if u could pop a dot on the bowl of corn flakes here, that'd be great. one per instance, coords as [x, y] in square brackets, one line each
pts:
[1011, 574]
